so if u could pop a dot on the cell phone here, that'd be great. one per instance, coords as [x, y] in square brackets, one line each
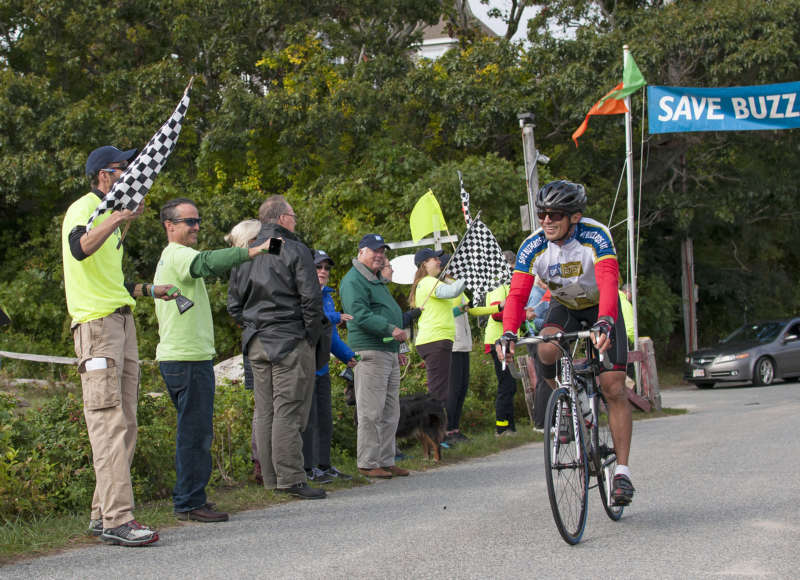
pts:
[172, 291]
[275, 246]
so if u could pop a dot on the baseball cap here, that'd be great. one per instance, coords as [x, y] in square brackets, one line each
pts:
[321, 256]
[426, 254]
[373, 242]
[102, 156]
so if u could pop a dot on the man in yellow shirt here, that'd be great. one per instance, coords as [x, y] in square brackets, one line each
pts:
[101, 303]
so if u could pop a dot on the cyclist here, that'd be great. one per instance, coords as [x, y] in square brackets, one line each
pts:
[575, 256]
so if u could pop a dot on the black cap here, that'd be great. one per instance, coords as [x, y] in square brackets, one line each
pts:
[426, 254]
[321, 256]
[373, 242]
[102, 156]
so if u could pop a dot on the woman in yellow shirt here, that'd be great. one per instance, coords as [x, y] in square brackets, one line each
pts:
[436, 327]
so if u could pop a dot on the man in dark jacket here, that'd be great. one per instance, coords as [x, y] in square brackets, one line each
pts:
[375, 333]
[277, 299]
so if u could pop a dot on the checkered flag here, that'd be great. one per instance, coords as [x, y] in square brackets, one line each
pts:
[129, 190]
[479, 261]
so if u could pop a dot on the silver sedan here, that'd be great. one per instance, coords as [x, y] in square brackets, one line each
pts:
[757, 353]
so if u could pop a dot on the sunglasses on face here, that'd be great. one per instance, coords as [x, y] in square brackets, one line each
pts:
[555, 216]
[122, 167]
[191, 222]
[325, 267]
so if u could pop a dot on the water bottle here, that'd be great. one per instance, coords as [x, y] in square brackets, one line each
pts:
[586, 407]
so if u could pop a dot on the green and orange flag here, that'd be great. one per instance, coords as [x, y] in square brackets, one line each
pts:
[613, 103]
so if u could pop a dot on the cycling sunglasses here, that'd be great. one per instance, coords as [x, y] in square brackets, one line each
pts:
[555, 216]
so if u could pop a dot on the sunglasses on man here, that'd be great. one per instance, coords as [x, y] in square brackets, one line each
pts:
[191, 222]
[555, 216]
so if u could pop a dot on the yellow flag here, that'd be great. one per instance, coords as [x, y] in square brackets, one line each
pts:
[426, 217]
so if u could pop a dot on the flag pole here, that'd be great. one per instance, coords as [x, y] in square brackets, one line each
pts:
[630, 220]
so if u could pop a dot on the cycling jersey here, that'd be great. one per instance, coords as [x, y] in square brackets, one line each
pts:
[581, 273]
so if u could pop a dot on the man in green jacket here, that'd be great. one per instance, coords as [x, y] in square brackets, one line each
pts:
[185, 352]
[374, 333]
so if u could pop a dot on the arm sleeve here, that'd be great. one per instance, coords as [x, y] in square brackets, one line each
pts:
[75, 244]
[606, 273]
[484, 310]
[357, 304]
[235, 297]
[310, 295]
[514, 310]
[330, 312]
[217, 262]
[447, 291]
[340, 349]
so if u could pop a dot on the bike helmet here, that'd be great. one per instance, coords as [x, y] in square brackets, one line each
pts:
[562, 195]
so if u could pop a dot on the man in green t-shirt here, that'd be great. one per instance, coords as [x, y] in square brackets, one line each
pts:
[100, 303]
[185, 352]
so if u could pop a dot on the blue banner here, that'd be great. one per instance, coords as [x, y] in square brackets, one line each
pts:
[757, 108]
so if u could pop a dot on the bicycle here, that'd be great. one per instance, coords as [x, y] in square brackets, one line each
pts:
[578, 444]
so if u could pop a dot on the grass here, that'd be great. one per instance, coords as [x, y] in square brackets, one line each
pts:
[49, 533]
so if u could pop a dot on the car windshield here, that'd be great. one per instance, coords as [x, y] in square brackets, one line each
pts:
[764, 332]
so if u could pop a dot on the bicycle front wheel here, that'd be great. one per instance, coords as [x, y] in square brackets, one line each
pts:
[566, 466]
[605, 456]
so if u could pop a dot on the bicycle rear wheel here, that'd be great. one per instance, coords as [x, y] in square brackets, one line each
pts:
[605, 457]
[566, 467]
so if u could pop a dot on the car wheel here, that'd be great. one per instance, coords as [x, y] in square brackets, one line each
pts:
[763, 372]
[704, 384]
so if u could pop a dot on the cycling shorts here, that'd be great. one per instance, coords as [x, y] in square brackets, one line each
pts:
[568, 320]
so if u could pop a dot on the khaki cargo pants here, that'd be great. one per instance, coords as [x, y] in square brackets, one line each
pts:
[110, 397]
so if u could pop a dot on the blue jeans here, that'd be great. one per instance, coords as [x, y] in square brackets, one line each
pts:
[191, 388]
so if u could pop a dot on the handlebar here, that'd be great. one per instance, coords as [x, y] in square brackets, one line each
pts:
[559, 336]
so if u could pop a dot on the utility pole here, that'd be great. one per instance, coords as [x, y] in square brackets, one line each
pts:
[532, 157]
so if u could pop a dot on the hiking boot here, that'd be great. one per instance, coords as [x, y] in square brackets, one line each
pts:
[336, 474]
[203, 514]
[95, 527]
[377, 472]
[131, 533]
[622, 490]
[396, 471]
[303, 491]
[316, 475]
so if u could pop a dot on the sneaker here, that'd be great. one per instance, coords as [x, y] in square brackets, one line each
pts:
[539, 430]
[622, 490]
[316, 475]
[95, 528]
[203, 514]
[131, 533]
[304, 491]
[336, 474]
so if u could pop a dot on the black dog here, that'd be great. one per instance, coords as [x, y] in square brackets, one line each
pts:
[423, 417]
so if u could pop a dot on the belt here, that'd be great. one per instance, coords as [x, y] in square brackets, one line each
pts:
[122, 310]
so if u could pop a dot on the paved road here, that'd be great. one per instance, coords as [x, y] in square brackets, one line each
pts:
[717, 496]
